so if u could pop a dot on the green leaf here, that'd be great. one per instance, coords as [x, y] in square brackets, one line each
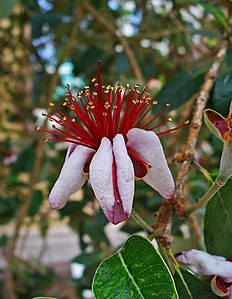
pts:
[221, 94]
[192, 287]
[218, 223]
[135, 271]
[37, 200]
[6, 8]
[87, 259]
[218, 14]
[181, 88]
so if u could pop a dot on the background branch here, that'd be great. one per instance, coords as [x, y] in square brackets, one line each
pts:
[110, 28]
[167, 211]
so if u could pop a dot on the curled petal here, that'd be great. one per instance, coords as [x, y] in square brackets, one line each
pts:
[147, 145]
[203, 263]
[219, 287]
[216, 123]
[124, 174]
[100, 175]
[70, 150]
[71, 177]
[111, 177]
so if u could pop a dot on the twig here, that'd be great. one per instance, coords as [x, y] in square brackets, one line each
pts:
[205, 173]
[110, 28]
[146, 227]
[36, 170]
[202, 202]
[177, 203]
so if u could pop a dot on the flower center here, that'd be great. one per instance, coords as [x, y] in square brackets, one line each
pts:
[105, 112]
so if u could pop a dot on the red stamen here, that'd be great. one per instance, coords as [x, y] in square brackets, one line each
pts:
[103, 113]
[171, 130]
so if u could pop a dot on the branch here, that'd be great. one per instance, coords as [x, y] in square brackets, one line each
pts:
[110, 28]
[177, 203]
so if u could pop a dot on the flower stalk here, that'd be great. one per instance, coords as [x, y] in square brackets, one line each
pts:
[144, 225]
[222, 128]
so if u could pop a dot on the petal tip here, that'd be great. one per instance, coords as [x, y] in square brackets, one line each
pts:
[55, 204]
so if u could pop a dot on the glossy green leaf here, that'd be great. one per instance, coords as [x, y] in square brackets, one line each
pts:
[218, 223]
[216, 12]
[135, 271]
[181, 88]
[87, 259]
[192, 287]
[221, 94]
[6, 8]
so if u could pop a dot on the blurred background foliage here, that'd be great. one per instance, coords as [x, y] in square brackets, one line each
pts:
[166, 45]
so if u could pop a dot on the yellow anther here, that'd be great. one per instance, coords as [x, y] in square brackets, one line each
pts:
[45, 139]
[137, 85]
[106, 105]
[115, 106]
[92, 107]
[168, 105]
[186, 122]
[67, 86]
[170, 119]
[65, 104]
[128, 85]
[79, 96]
[51, 104]
[64, 118]
[95, 93]
[93, 80]
[86, 87]
[155, 102]
[73, 120]
[106, 91]
[37, 128]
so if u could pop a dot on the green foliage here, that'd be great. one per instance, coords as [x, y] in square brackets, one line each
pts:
[8, 209]
[135, 271]
[218, 223]
[192, 287]
[218, 14]
[221, 94]
[6, 8]
[181, 88]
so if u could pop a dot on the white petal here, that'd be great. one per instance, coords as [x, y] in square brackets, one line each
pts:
[70, 150]
[100, 175]
[147, 145]
[101, 178]
[125, 173]
[203, 263]
[71, 177]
